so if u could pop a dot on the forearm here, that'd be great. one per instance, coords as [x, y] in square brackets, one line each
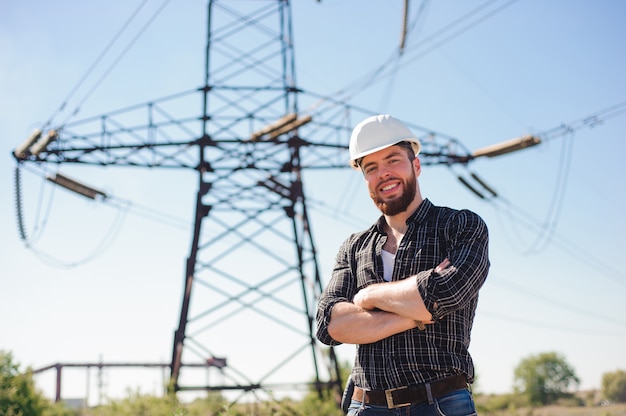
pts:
[351, 324]
[400, 298]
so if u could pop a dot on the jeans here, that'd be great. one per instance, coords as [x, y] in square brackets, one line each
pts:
[456, 403]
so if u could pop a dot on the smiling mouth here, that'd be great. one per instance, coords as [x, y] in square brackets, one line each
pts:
[389, 187]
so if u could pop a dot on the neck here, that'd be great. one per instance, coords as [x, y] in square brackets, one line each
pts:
[397, 223]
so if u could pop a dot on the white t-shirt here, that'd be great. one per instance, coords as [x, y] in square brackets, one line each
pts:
[388, 260]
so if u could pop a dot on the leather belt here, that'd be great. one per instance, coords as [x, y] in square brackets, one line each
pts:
[408, 395]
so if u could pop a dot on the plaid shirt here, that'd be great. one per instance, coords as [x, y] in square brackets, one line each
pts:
[415, 357]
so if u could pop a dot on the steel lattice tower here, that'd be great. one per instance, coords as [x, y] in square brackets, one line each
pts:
[250, 194]
[252, 276]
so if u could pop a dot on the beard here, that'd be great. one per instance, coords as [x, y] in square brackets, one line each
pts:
[399, 204]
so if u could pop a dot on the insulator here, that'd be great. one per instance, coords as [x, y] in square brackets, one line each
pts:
[21, 151]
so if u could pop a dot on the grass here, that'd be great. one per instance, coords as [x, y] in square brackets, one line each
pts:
[616, 409]
[582, 404]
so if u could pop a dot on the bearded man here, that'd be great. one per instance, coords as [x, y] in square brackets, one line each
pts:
[405, 290]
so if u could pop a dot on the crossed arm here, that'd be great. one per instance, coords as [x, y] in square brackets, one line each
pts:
[379, 311]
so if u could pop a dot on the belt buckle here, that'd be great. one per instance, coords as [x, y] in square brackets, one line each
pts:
[389, 397]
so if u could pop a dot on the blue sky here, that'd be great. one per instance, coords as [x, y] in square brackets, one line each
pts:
[104, 283]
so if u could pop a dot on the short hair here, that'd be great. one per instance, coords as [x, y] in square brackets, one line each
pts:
[409, 147]
[404, 144]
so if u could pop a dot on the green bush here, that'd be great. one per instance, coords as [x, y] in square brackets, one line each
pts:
[18, 395]
[614, 386]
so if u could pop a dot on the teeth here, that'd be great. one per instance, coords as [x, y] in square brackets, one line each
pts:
[388, 187]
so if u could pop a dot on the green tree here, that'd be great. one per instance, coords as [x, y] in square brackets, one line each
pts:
[18, 395]
[614, 386]
[544, 378]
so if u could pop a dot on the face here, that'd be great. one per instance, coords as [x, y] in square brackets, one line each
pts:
[391, 179]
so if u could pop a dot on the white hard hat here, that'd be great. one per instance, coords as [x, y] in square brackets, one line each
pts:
[376, 133]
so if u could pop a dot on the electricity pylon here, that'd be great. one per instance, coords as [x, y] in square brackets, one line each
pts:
[252, 277]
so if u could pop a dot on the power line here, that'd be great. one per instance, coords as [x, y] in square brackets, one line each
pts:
[522, 217]
[149, 213]
[106, 241]
[547, 229]
[426, 46]
[396, 58]
[546, 325]
[578, 253]
[516, 288]
[589, 121]
[41, 213]
[124, 206]
[54, 260]
[110, 68]
[558, 197]
[95, 63]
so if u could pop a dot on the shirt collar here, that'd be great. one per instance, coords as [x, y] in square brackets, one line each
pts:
[421, 212]
[417, 217]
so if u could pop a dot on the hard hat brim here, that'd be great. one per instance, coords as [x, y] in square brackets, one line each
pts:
[415, 144]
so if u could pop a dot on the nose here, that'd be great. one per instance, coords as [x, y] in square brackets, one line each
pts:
[383, 172]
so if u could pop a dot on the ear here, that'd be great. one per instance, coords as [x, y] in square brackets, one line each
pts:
[417, 166]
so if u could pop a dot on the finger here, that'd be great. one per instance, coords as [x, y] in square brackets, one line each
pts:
[445, 263]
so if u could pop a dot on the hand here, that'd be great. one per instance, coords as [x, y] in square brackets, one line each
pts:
[441, 266]
[421, 325]
[361, 298]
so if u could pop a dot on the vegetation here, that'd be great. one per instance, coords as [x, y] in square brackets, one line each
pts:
[614, 386]
[546, 372]
[18, 395]
[544, 379]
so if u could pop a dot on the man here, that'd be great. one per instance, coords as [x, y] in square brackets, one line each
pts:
[405, 290]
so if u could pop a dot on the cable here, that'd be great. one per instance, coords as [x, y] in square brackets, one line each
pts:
[484, 90]
[100, 248]
[578, 253]
[462, 30]
[347, 196]
[40, 212]
[589, 121]
[547, 230]
[18, 204]
[123, 206]
[395, 59]
[518, 289]
[38, 230]
[115, 62]
[420, 16]
[147, 212]
[19, 209]
[93, 66]
[558, 196]
[367, 80]
[545, 325]
[337, 214]
[43, 211]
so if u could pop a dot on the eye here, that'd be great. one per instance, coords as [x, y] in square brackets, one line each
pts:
[369, 170]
